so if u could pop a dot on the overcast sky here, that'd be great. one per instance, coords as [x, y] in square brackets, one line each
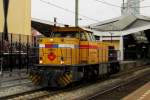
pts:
[91, 11]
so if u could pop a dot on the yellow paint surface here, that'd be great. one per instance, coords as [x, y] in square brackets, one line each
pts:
[89, 55]
[1, 16]
[19, 17]
[103, 52]
[70, 55]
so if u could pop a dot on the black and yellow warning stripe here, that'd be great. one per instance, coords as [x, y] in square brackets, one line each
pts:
[35, 78]
[65, 79]
[38, 80]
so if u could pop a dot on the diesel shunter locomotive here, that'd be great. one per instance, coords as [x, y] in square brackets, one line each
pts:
[70, 54]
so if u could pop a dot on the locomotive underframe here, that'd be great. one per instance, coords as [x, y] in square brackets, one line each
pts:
[66, 74]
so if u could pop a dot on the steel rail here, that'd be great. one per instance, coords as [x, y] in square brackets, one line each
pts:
[123, 83]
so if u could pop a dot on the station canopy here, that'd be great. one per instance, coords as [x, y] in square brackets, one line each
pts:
[122, 26]
[43, 26]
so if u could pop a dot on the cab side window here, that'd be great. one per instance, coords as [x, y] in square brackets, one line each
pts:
[92, 37]
[77, 35]
[83, 37]
[86, 36]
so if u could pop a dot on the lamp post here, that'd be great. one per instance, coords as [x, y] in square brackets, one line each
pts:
[1, 66]
[76, 12]
[111, 36]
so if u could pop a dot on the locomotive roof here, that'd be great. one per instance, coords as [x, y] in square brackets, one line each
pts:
[69, 29]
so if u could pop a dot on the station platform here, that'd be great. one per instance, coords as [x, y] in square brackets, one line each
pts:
[143, 93]
[129, 64]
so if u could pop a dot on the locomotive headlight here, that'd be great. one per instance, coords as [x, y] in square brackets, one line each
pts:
[41, 61]
[62, 62]
[51, 40]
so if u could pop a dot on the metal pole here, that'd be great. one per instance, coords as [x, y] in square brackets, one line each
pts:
[2, 44]
[27, 54]
[55, 21]
[1, 66]
[76, 12]
[1, 70]
[123, 5]
[20, 62]
[11, 55]
[111, 37]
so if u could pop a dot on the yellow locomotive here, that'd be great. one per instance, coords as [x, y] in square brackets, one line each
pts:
[71, 54]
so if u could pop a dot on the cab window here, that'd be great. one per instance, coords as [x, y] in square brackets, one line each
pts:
[92, 37]
[66, 35]
[83, 37]
[86, 36]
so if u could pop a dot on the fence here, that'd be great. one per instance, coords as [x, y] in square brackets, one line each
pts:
[16, 52]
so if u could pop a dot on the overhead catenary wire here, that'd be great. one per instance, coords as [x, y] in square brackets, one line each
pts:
[92, 19]
[138, 7]
[49, 22]
[113, 5]
[73, 12]
[68, 10]
[107, 3]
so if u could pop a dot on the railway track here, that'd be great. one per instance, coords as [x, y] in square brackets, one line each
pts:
[123, 89]
[12, 79]
[127, 72]
[19, 91]
[49, 94]
[16, 85]
[30, 95]
[13, 83]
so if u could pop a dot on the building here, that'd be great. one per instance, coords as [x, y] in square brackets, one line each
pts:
[15, 19]
[129, 34]
[1, 16]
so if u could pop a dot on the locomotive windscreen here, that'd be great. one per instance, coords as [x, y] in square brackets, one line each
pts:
[65, 34]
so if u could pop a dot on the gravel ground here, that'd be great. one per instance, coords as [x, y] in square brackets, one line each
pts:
[16, 74]
[7, 80]
[15, 83]
[17, 89]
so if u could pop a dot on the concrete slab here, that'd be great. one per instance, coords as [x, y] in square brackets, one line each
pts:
[125, 65]
[142, 93]
[11, 79]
